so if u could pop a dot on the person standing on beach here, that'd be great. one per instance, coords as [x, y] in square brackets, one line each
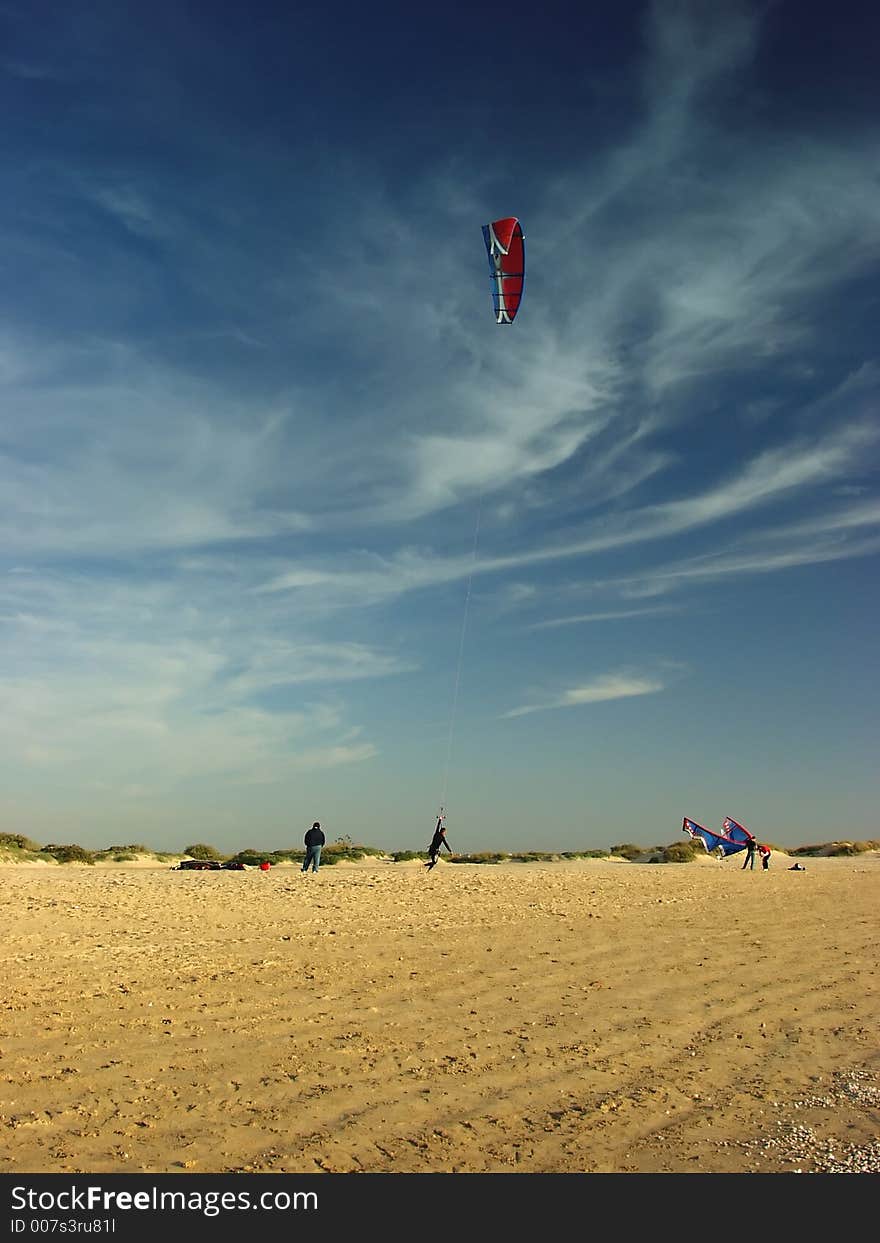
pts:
[314, 840]
[437, 841]
[764, 852]
[749, 861]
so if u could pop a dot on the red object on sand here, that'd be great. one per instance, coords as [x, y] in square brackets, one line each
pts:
[264, 866]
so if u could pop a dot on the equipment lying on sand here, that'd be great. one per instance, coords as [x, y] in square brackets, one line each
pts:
[209, 865]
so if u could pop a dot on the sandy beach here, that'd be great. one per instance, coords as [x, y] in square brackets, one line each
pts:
[589, 1016]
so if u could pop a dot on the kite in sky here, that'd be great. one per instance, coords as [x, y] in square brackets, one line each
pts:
[507, 266]
[733, 839]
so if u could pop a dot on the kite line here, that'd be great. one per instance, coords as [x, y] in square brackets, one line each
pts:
[505, 250]
[467, 599]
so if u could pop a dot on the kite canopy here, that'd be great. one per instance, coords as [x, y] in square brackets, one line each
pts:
[733, 839]
[507, 266]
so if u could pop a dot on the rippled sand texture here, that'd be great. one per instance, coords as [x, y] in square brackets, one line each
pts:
[544, 1017]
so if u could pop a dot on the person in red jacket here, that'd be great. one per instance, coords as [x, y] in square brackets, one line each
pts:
[764, 852]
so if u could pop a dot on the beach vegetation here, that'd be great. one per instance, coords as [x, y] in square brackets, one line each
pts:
[253, 858]
[202, 851]
[122, 854]
[338, 852]
[18, 841]
[347, 851]
[831, 849]
[628, 850]
[10, 853]
[849, 848]
[677, 852]
[69, 853]
[17, 848]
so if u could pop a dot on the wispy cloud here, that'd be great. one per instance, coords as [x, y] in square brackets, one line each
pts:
[600, 690]
[129, 205]
[139, 683]
[757, 562]
[816, 541]
[140, 459]
[580, 619]
[774, 475]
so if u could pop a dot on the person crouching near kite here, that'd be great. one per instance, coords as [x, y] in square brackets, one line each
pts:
[764, 852]
[437, 841]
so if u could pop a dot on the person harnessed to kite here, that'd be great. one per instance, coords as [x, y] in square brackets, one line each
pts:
[437, 842]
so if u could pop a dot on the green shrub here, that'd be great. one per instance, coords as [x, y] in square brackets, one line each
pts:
[627, 850]
[351, 852]
[69, 854]
[250, 857]
[20, 842]
[201, 851]
[404, 856]
[678, 852]
[484, 856]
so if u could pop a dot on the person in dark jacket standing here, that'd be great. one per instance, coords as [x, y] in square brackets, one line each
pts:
[314, 840]
[749, 861]
[437, 841]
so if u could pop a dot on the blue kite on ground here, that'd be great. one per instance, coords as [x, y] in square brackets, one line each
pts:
[734, 838]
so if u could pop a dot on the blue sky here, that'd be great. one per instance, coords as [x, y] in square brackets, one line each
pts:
[292, 530]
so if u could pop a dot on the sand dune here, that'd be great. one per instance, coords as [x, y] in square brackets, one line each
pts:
[566, 1017]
